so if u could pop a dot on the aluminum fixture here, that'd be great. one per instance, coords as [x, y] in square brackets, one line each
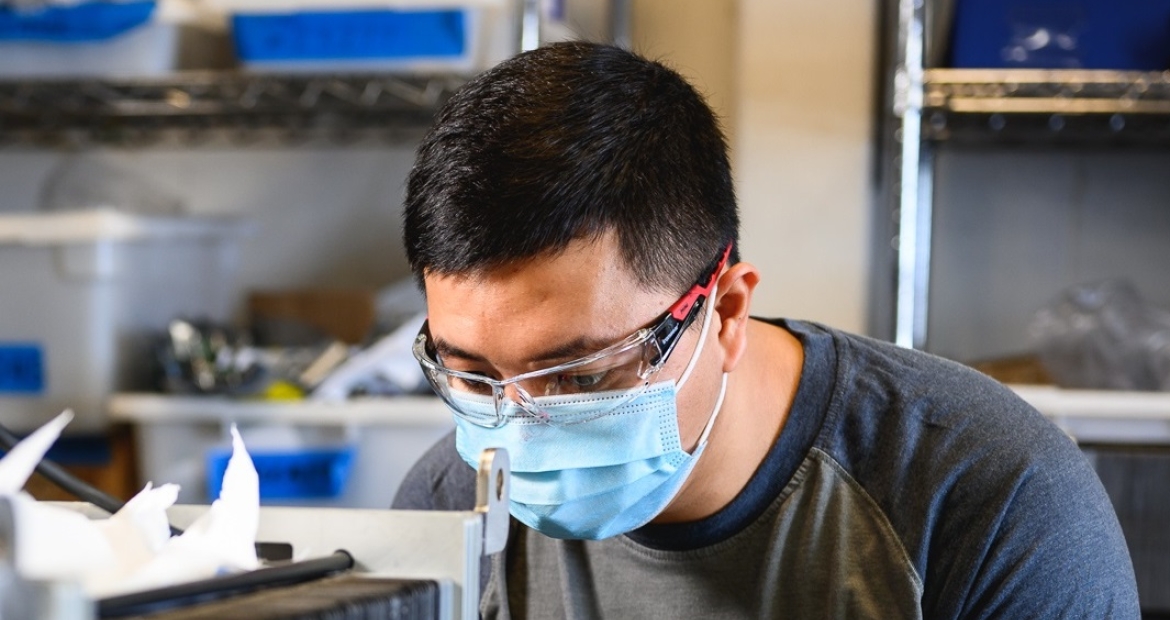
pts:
[914, 190]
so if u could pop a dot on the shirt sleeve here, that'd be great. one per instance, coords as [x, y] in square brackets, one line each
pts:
[440, 480]
[1050, 544]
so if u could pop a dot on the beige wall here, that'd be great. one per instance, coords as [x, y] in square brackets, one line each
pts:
[697, 38]
[794, 80]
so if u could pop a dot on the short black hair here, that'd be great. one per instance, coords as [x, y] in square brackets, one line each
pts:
[569, 141]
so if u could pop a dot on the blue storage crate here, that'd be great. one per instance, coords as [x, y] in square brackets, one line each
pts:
[318, 473]
[1062, 34]
[91, 21]
[351, 35]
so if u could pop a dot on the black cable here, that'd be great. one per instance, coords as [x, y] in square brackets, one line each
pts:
[67, 481]
[71, 484]
[218, 588]
[86, 492]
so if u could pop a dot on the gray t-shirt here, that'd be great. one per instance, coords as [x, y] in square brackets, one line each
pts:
[902, 486]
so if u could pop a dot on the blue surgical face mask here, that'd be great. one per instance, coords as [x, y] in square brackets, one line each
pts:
[598, 478]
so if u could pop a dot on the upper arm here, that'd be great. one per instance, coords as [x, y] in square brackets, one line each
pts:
[1048, 545]
[440, 480]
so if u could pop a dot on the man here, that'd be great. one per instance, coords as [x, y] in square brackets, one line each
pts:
[572, 220]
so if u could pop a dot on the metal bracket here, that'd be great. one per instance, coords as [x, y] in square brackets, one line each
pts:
[492, 484]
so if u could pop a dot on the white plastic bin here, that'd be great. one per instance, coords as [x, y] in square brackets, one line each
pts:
[69, 40]
[82, 294]
[386, 436]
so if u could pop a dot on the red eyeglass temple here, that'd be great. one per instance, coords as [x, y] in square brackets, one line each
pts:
[682, 307]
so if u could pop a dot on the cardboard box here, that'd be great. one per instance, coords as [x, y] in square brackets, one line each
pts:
[279, 317]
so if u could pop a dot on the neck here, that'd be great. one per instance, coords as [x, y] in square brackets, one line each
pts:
[759, 396]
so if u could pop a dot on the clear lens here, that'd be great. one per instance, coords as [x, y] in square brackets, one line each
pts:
[620, 370]
[554, 395]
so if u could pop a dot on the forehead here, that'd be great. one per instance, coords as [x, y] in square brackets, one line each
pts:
[509, 314]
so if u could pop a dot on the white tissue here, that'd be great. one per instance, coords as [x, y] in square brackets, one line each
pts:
[133, 549]
[22, 459]
[137, 533]
[222, 540]
[51, 542]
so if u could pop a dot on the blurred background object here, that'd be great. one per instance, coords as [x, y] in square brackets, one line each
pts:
[1104, 335]
[88, 182]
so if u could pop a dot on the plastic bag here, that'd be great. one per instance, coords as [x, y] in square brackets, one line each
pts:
[1103, 335]
[89, 182]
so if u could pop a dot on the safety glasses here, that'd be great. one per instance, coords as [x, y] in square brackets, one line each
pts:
[599, 382]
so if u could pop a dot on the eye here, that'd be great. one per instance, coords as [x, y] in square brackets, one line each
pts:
[469, 386]
[581, 382]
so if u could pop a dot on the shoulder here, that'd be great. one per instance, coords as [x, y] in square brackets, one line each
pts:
[921, 396]
[916, 419]
[440, 480]
[985, 494]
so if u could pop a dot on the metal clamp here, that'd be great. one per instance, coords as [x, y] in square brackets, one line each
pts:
[492, 484]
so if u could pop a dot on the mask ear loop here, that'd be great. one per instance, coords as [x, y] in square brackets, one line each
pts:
[694, 360]
[714, 414]
[702, 337]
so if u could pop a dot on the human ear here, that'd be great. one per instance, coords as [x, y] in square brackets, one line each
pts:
[736, 286]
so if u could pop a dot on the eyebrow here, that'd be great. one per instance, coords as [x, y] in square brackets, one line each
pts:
[579, 347]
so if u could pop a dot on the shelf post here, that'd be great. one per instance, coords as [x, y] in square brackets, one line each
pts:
[529, 25]
[914, 188]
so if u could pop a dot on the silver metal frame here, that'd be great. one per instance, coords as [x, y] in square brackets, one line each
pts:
[932, 105]
[913, 189]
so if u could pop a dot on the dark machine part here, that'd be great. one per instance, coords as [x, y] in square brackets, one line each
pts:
[348, 597]
[66, 481]
[220, 588]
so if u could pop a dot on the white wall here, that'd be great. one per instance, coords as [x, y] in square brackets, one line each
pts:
[803, 150]
[793, 82]
[698, 39]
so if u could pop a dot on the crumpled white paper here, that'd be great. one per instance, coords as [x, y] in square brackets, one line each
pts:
[222, 540]
[133, 549]
[50, 542]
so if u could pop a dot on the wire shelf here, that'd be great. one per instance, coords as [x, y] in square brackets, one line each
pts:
[1046, 105]
[212, 106]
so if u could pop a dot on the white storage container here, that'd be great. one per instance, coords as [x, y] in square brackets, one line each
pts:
[386, 436]
[83, 293]
[179, 34]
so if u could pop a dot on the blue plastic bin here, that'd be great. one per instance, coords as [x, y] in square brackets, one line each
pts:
[1062, 34]
[351, 35]
[318, 473]
[91, 21]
